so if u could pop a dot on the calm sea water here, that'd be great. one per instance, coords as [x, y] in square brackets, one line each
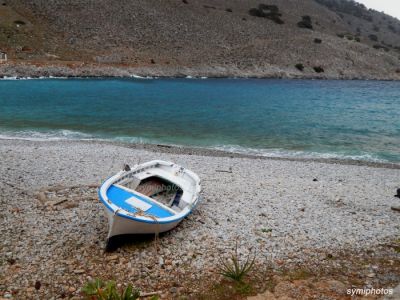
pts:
[345, 119]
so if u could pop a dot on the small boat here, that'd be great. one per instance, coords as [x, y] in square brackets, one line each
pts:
[150, 198]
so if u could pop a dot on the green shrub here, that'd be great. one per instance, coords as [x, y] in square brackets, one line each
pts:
[368, 18]
[378, 47]
[319, 69]
[392, 28]
[270, 12]
[305, 23]
[317, 41]
[299, 67]
[373, 37]
[255, 12]
[272, 8]
[276, 18]
[99, 290]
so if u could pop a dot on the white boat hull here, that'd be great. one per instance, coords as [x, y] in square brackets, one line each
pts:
[119, 225]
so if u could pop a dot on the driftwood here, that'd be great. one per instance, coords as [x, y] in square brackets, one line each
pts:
[59, 202]
[225, 171]
[149, 294]
[164, 146]
[9, 184]
[14, 186]
[396, 208]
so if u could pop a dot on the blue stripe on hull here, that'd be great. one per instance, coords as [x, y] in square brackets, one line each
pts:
[118, 196]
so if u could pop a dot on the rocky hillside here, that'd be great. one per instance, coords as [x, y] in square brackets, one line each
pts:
[272, 38]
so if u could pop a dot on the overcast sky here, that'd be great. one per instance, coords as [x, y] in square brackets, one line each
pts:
[390, 7]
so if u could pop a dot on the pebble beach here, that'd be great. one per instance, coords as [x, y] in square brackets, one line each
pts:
[54, 229]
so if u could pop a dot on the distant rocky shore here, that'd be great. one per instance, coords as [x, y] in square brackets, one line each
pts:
[324, 39]
[60, 70]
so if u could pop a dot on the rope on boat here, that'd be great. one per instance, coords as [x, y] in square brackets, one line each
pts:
[142, 213]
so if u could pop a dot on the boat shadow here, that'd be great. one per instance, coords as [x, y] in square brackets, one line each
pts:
[123, 240]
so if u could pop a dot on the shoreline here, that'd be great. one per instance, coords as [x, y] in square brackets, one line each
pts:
[200, 151]
[78, 69]
[155, 77]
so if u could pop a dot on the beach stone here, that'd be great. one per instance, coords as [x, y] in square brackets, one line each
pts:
[168, 262]
[267, 295]
[112, 257]
[337, 286]
[38, 285]
[160, 261]
[395, 295]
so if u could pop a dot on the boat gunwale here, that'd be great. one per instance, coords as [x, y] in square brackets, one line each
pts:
[125, 214]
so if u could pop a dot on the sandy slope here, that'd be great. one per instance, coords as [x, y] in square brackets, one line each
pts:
[199, 38]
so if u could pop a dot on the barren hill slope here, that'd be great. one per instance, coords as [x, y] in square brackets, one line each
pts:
[274, 38]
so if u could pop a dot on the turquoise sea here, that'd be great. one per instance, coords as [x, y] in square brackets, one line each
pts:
[302, 118]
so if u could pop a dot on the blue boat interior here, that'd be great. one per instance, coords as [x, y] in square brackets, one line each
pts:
[120, 196]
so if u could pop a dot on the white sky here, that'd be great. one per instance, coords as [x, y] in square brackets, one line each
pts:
[390, 7]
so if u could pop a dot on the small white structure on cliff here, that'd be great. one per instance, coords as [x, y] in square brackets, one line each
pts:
[3, 57]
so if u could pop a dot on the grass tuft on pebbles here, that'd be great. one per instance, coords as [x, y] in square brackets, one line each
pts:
[235, 268]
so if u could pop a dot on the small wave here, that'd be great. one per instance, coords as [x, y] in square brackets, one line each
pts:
[133, 140]
[31, 78]
[141, 77]
[58, 135]
[64, 134]
[55, 77]
[53, 135]
[283, 153]
[13, 78]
